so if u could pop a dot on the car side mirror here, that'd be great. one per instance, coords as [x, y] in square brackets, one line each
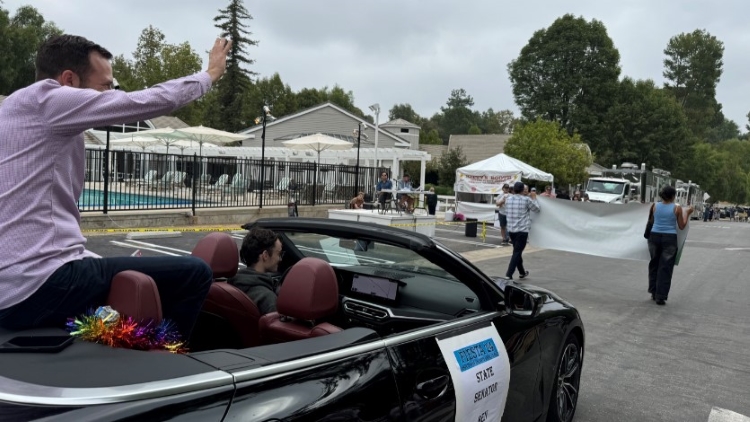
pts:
[521, 303]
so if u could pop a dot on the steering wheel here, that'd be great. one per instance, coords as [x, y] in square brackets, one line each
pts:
[278, 280]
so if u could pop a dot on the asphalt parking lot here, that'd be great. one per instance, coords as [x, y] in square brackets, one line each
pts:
[686, 361]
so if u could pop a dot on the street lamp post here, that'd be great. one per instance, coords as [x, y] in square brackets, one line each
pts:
[359, 143]
[266, 115]
[376, 109]
[115, 85]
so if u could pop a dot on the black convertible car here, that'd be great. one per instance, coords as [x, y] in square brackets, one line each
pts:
[363, 309]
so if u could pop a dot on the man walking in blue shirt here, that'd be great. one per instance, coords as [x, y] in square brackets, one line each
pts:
[517, 210]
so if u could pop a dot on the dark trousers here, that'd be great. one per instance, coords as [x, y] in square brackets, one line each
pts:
[663, 250]
[431, 209]
[81, 285]
[516, 261]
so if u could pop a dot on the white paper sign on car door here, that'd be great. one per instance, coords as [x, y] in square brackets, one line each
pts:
[480, 371]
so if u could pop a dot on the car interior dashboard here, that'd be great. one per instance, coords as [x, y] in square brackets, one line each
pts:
[391, 300]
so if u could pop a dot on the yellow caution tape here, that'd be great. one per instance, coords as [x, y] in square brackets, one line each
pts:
[166, 229]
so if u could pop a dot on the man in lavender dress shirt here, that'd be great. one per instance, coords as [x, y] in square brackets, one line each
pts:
[46, 274]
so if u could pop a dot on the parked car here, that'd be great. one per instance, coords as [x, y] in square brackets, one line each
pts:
[364, 308]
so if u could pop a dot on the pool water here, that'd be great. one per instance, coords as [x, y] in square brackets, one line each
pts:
[95, 198]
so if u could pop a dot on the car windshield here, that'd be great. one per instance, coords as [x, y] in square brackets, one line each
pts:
[605, 187]
[369, 253]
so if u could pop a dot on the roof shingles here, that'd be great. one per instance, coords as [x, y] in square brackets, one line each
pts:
[479, 147]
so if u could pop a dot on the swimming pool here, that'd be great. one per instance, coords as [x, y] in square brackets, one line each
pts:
[91, 198]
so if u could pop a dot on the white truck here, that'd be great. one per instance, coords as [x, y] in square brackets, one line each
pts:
[609, 189]
[628, 183]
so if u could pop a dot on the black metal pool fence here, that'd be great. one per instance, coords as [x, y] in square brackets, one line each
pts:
[156, 181]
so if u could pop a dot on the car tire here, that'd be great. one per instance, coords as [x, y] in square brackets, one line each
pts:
[565, 391]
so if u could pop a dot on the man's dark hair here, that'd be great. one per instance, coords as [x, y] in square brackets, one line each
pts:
[668, 193]
[518, 187]
[255, 242]
[66, 52]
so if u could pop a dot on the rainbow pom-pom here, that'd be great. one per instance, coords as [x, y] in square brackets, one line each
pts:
[126, 333]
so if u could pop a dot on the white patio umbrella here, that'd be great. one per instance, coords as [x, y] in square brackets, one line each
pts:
[141, 142]
[317, 142]
[206, 135]
[165, 136]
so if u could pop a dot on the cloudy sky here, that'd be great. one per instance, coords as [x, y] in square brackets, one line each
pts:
[408, 51]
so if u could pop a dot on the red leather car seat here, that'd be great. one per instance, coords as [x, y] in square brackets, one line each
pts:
[310, 292]
[231, 304]
[135, 295]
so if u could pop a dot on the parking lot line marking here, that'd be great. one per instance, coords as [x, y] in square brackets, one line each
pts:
[723, 415]
[159, 246]
[128, 245]
[488, 245]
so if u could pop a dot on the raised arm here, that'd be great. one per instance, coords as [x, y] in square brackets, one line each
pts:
[682, 218]
[533, 203]
[69, 111]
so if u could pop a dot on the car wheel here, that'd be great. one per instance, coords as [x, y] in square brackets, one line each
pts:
[562, 406]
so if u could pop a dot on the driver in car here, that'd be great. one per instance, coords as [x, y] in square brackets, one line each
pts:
[261, 251]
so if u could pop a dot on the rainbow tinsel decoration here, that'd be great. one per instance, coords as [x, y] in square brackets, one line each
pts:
[124, 332]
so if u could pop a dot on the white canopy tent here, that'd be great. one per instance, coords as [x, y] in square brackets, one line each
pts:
[477, 184]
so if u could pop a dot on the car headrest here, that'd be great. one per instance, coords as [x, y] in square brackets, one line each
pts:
[309, 291]
[220, 253]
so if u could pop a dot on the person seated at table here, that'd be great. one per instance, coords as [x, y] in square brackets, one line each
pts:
[405, 201]
[384, 184]
[358, 202]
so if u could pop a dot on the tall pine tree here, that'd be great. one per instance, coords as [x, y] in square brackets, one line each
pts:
[230, 112]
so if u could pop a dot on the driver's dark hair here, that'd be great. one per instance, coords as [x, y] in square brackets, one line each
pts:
[66, 52]
[255, 242]
[668, 193]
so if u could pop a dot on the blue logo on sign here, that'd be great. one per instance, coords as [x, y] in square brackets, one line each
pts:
[476, 354]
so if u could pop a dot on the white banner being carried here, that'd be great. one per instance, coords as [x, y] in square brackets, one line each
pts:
[599, 229]
[480, 371]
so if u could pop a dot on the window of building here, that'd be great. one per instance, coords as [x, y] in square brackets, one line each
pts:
[404, 130]
[127, 128]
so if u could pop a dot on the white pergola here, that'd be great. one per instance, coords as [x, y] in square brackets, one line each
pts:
[367, 156]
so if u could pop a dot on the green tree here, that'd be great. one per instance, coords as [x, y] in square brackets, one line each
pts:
[430, 138]
[727, 130]
[747, 126]
[547, 146]
[703, 165]
[310, 97]
[474, 130]
[693, 68]
[230, 109]
[406, 112]
[457, 116]
[506, 120]
[274, 93]
[20, 38]
[155, 61]
[645, 125]
[450, 161]
[567, 73]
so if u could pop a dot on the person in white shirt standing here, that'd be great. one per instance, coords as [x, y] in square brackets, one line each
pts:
[501, 213]
[518, 210]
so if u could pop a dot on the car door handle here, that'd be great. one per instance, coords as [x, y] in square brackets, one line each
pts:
[433, 388]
